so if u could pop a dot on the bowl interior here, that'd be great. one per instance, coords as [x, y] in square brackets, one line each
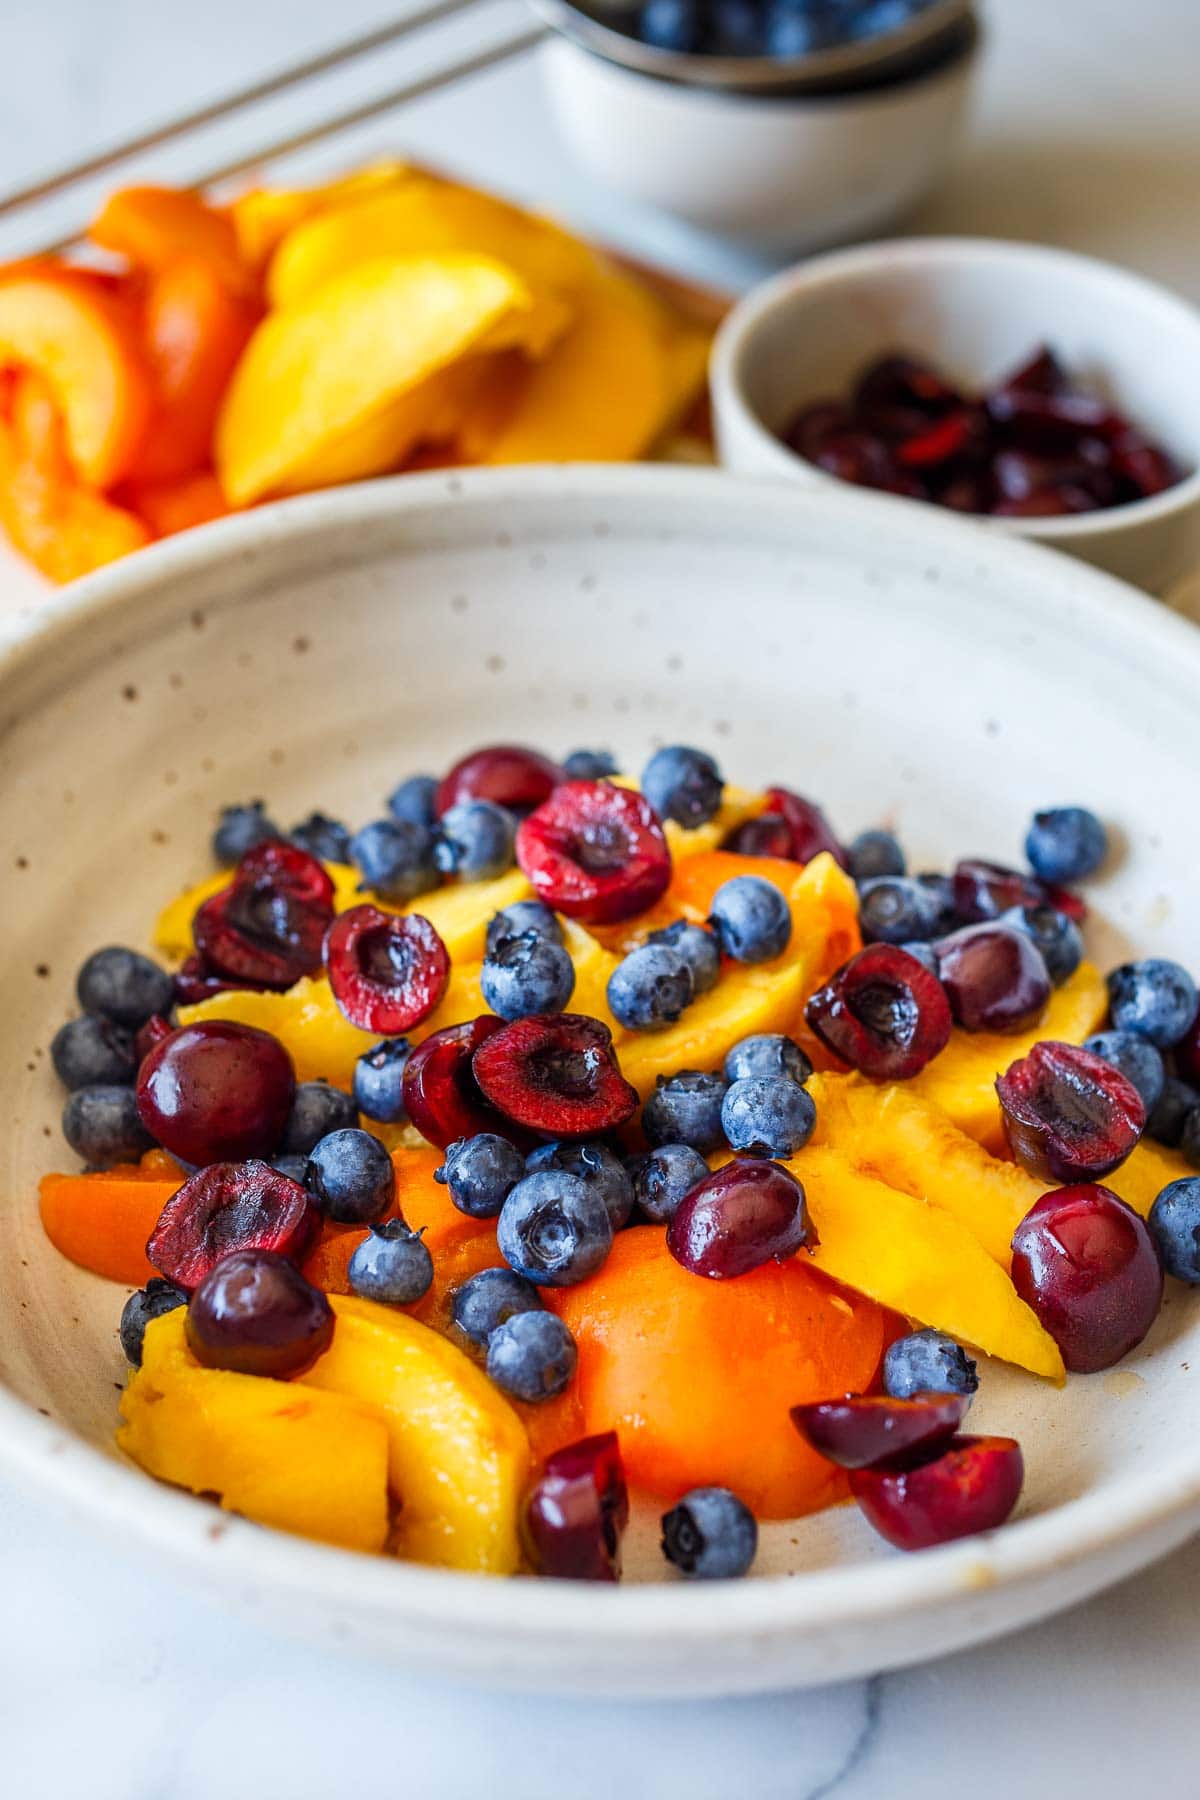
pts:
[895, 665]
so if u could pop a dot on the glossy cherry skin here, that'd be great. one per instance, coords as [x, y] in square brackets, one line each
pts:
[768, 835]
[216, 1091]
[440, 1093]
[256, 1314]
[883, 1013]
[595, 852]
[971, 1486]
[577, 1512]
[228, 1207]
[1068, 1114]
[267, 928]
[811, 832]
[387, 973]
[742, 1216]
[995, 978]
[864, 1429]
[984, 890]
[555, 1074]
[507, 774]
[1091, 1270]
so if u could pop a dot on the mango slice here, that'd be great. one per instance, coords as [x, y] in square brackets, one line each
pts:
[298, 1459]
[322, 1044]
[918, 1260]
[263, 217]
[458, 1455]
[1143, 1176]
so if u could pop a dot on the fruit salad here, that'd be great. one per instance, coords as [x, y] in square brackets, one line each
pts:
[556, 1141]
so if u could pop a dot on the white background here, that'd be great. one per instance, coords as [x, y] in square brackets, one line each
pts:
[115, 1682]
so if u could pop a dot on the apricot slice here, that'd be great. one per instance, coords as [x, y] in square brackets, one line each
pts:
[102, 1220]
[171, 506]
[153, 225]
[195, 330]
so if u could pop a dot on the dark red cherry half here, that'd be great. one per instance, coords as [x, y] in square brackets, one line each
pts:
[745, 1214]
[810, 830]
[216, 1091]
[1068, 1115]
[1091, 1270]
[508, 774]
[768, 835]
[995, 978]
[864, 1429]
[577, 1511]
[556, 1074]
[441, 1095]
[971, 1486]
[196, 981]
[595, 852]
[268, 927]
[883, 1013]
[984, 890]
[227, 1207]
[387, 972]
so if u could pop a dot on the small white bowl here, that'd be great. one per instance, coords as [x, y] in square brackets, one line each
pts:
[975, 308]
[775, 172]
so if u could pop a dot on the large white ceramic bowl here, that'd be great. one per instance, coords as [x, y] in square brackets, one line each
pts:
[898, 664]
[976, 308]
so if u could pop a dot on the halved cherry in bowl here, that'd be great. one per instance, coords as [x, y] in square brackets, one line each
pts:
[227, 1207]
[970, 1486]
[883, 1012]
[441, 1095]
[267, 928]
[507, 774]
[864, 1429]
[387, 972]
[1069, 1115]
[577, 1511]
[595, 852]
[555, 1074]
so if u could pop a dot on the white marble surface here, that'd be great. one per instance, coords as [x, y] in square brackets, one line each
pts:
[118, 1684]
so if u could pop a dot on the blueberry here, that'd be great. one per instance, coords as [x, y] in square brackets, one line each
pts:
[391, 1265]
[415, 801]
[767, 1053]
[1137, 1060]
[710, 1535]
[589, 765]
[488, 1299]
[395, 859]
[940, 892]
[93, 1050]
[532, 1356]
[649, 989]
[670, 24]
[1066, 843]
[325, 838]
[124, 986]
[522, 916]
[1155, 999]
[379, 1080]
[698, 948]
[684, 785]
[662, 1177]
[880, 16]
[1175, 1222]
[350, 1175]
[922, 953]
[735, 28]
[240, 828]
[480, 1172]
[294, 1166]
[317, 1110]
[768, 1115]
[1169, 1115]
[875, 853]
[894, 909]
[1057, 937]
[102, 1125]
[927, 1362]
[686, 1109]
[525, 975]
[151, 1302]
[751, 919]
[596, 1165]
[475, 839]
[554, 1229]
[790, 32]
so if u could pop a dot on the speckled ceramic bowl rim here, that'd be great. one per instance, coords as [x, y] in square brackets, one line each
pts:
[227, 1550]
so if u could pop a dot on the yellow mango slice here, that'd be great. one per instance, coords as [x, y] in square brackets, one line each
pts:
[593, 967]
[458, 1455]
[737, 805]
[461, 913]
[263, 217]
[321, 1043]
[909, 1143]
[918, 1260]
[318, 370]
[962, 1080]
[1143, 1176]
[298, 1459]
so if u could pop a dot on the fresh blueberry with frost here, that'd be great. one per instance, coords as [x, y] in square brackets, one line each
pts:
[476, 840]
[589, 765]
[395, 859]
[124, 985]
[751, 918]
[241, 828]
[151, 1302]
[391, 1265]
[710, 1535]
[522, 916]
[1137, 1060]
[686, 1109]
[1175, 1222]
[102, 1125]
[554, 1229]
[1066, 843]
[350, 1176]
[768, 1115]
[317, 1110]
[325, 838]
[1170, 1113]
[414, 802]
[92, 1051]
[486, 1300]
[892, 909]
[662, 1177]
[698, 948]
[650, 988]
[293, 1165]
[683, 784]
[595, 1164]
[1057, 937]
[531, 1356]
[379, 1080]
[527, 974]
[767, 1053]
[927, 1362]
[874, 854]
[480, 1172]
[1155, 999]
